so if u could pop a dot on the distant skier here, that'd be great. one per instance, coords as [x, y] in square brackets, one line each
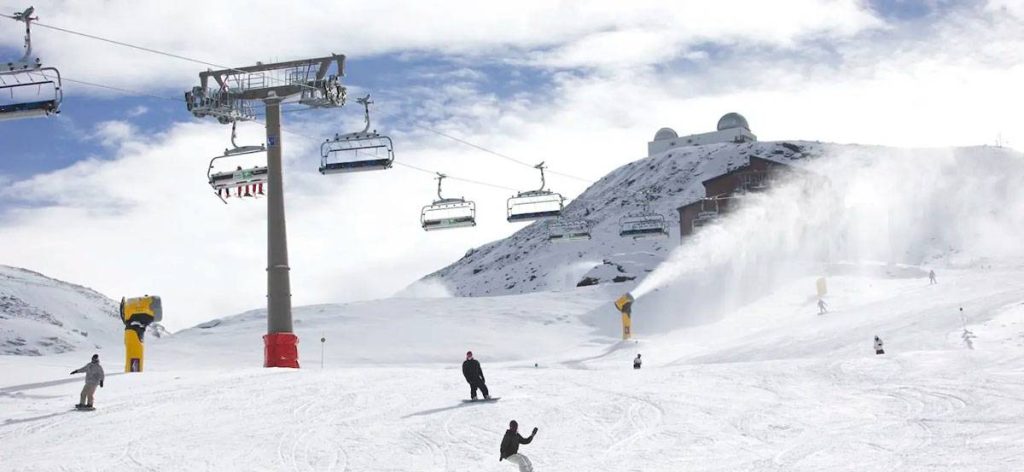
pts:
[93, 378]
[510, 447]
[822, 307]
[931, 278]
[637, 362]
[475, 376]
[968, 337]
[878, 346]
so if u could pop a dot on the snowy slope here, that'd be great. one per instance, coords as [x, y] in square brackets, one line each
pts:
[768, 386]
[527, 262]
[40, 315]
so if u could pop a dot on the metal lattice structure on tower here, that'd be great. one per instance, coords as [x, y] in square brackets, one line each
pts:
[237, 93]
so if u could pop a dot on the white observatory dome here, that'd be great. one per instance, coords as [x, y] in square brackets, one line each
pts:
[665, 133]
[732, 120]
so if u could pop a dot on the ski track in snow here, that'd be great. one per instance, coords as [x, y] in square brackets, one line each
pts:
[768, 398]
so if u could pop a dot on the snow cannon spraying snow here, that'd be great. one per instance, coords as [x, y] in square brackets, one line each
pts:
[625, 305]
[137, 314]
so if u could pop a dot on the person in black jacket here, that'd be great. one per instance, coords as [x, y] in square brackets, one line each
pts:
[510, 447]
[471, 371]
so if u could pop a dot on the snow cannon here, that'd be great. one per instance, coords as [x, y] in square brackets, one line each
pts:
[137, 314]
[625, 305]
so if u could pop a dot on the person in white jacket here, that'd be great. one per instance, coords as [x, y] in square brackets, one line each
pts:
[93, 378]
[878, 346]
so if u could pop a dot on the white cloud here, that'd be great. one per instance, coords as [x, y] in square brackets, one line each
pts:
[137, 111]
[594, 33]
[114, 133]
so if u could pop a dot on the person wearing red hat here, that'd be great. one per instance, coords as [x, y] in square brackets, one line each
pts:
[475, 376]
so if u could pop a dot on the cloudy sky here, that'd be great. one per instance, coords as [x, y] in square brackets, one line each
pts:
[112, 194]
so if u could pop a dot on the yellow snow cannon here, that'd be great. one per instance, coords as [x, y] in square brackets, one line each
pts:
[625, 305]
[137, 314]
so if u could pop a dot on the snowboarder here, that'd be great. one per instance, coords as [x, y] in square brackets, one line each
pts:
[822, 307]
[931, 278]
[637, 362]
[93, 378]
[878, 346]
[471, 371]
[510, 447]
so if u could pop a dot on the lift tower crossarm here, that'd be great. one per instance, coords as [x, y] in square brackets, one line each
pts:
[250, 82]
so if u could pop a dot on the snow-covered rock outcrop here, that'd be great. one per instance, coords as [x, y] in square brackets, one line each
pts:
[40, 315]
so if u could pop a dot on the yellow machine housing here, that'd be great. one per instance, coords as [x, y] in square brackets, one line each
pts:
[625, 305]
[137, 314]
[822, 287]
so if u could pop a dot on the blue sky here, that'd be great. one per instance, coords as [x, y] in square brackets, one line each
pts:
[582, 88]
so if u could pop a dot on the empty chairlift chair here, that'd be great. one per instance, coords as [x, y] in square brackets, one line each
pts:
[569, 230]
[27, 89]
[709, 211]
[447, 213]
[357, 152]
[644, 224]
[249, 179]
[535, 204]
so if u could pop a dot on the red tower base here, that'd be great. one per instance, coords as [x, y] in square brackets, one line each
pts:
[281, 350]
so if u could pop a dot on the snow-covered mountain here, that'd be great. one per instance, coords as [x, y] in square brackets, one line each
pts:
[40, 315]
[527, 262]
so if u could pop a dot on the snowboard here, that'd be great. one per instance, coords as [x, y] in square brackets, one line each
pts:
[482, 400]
[85, 408]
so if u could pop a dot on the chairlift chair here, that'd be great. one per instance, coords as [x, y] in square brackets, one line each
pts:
[569, 230]
[447, 213]
[709, 211]
[535, 204]
[27, 89]
[644, 224]
[250, 179]
[754, 181]
[357, 152]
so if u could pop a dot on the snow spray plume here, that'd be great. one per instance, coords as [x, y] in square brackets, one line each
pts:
[868, 205]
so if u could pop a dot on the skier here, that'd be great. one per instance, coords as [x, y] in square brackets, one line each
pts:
[931, 278]
[93, 377]
[878, 346]
[637, 362]
[822, 307]
[510, 447]
[471, 371]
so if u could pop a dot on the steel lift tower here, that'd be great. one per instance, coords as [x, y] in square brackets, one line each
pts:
[233, 97]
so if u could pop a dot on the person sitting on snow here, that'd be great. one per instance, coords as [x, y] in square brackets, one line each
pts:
[878, 346]
[510, 447]
[93, 377]
[637, 362]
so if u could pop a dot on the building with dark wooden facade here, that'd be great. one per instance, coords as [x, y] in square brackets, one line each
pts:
[721, 192]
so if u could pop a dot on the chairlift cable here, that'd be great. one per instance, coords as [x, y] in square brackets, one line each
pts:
[131, 46]
[498, 154]
[403, 164]
[211, 64]
[410, 166]
[119, 89]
